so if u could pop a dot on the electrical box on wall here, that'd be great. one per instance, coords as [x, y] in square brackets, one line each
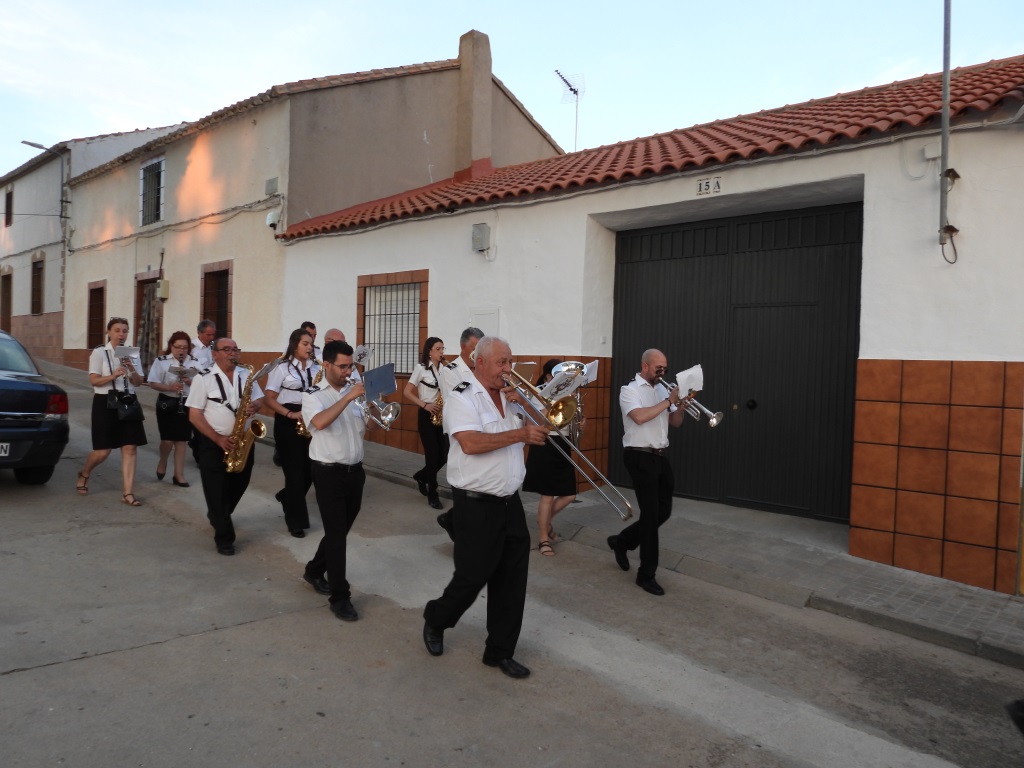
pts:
[481, 237]
[163, 289]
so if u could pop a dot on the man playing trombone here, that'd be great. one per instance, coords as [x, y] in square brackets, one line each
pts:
[492, 543]
[648, 409]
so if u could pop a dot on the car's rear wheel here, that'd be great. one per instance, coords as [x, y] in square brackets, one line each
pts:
[33, 475]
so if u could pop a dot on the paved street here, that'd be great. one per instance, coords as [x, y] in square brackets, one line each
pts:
[125, 640]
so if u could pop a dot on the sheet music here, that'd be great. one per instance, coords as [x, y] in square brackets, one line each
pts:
[561, 385]
[692, 379]
[590, 376]
[380, 382]
[121, 352]
[185, 373]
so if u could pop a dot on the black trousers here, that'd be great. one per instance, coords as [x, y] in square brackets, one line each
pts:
[293, 450]
[222, 489]
[492, 549]
[653, 483]
[339, 494]
[435, 449]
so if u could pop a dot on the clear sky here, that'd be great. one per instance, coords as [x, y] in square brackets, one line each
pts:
[70, 68]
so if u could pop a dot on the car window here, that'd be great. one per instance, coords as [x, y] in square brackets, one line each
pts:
[13, 357]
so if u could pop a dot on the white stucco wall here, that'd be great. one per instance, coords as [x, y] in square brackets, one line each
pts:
[221, 170]
[552, 274]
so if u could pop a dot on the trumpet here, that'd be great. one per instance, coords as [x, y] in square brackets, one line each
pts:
[694, 409]
[560, 414]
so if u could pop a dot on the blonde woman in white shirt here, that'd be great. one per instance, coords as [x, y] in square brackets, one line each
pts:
[106, 374]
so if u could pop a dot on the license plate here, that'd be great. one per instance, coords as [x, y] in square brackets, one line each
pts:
[5, 449]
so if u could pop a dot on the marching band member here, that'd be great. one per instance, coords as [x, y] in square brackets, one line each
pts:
[171, 414]
[648, 410]
[213, 403]
[310, 327]
[335, 335]
[108, 376]
[336, 427]
[284, 389]
[551, 475]
[206, 331]
[424, 390]
[492, 543]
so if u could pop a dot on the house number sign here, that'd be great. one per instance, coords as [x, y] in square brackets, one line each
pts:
[711, 185]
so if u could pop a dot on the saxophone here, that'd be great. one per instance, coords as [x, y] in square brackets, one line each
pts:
[437, 418]
[300, 425]
[235, 460]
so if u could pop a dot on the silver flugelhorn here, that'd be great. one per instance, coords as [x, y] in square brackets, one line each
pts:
[388, 411]
[559, 414]
[693, 408]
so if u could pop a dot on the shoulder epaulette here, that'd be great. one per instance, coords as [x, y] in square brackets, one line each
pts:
[311, 390]
[205, 371]
[452, 365]
[99, 346]
[164, 357]
[462, 387]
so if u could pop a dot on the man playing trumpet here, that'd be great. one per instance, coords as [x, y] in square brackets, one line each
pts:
[648, 410]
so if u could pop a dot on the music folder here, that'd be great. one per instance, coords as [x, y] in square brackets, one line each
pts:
[380, 382]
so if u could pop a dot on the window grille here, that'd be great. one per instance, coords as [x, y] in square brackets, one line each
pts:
[8, 207]
[97, 325]
[37, 288]
[216, 292]
[151, 192]
[391, 323]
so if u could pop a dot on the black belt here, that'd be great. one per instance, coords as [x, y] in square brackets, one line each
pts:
[162, 396]
[290, 407]
[655, 451]
[342, 467]
[459, 493]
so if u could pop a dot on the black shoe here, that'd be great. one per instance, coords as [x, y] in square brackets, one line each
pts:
[280, 496]
[277, 460]
[649, 585]
[510, 667]
[445, 521]
[434, 501]
[298, 533]
[620, 554]
[181, 484]
[319, 584]
[160, 475]
[343, 610]
[421, 484]
[227, 549]
[1016, 711]
[433, 639]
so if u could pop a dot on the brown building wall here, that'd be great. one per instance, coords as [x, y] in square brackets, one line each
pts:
[936, 468]
[42, 335]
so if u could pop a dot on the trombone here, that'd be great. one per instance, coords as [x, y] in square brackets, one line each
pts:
[559, 414]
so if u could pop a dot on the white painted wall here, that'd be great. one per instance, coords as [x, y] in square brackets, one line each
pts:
[553, 268]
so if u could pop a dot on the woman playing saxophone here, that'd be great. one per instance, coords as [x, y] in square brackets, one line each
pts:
[424, 390]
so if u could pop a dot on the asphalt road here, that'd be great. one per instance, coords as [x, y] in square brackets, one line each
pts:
[125, 640]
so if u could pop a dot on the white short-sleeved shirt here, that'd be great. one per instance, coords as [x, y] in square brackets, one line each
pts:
[203, 354]
[499, 472]
[454, 374]
[100, 360]
[160, 371]
[427, 381]
[342, 441]
[206, 395]
[290, 379]
[639, 394]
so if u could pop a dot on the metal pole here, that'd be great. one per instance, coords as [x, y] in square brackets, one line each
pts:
[943, 181]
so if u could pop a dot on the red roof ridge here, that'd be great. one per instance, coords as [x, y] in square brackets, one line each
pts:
[843, 117]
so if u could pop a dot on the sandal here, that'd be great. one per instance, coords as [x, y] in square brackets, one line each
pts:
[83, 484]
[133, 503]
[546, 549]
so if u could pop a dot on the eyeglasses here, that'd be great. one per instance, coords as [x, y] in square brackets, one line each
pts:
[342, 367]
[179, 346]
[227, 349]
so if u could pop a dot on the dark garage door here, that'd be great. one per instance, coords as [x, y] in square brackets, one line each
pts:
[769, 305]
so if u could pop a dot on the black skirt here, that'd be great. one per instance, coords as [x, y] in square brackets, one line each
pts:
[173, 426]
[109, 432]
[547, 471]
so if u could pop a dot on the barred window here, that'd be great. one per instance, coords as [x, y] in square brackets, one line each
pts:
[151, 192]
[391, 323]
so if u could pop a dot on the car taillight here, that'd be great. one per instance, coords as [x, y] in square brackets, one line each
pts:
[57, 406]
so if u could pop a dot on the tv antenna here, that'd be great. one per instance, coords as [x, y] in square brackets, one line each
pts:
[574, 88]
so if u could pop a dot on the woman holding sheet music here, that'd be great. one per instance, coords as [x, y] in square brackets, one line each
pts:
[551, 475]
[170, 375]
[113, 378]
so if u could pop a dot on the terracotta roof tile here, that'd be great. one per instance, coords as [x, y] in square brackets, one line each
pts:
[854, 116]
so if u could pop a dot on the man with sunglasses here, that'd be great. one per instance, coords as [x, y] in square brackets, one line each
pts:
[336, 426]
[213, 403]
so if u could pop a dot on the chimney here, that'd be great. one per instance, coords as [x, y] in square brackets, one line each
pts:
[473, 111]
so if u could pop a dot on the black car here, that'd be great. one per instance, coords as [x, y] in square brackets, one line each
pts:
[33, 416]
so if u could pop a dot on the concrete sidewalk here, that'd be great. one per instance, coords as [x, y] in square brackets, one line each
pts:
[782, 558]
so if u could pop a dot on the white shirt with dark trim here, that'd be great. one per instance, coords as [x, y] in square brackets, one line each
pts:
[342, 441]
[639, 394]
[205, 394]
[470, 409]
[160, 371]
[100, 360]
[203, 354]
[290, 379]
[453, 374]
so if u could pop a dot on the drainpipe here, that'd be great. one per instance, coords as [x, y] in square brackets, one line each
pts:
[944, 169]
